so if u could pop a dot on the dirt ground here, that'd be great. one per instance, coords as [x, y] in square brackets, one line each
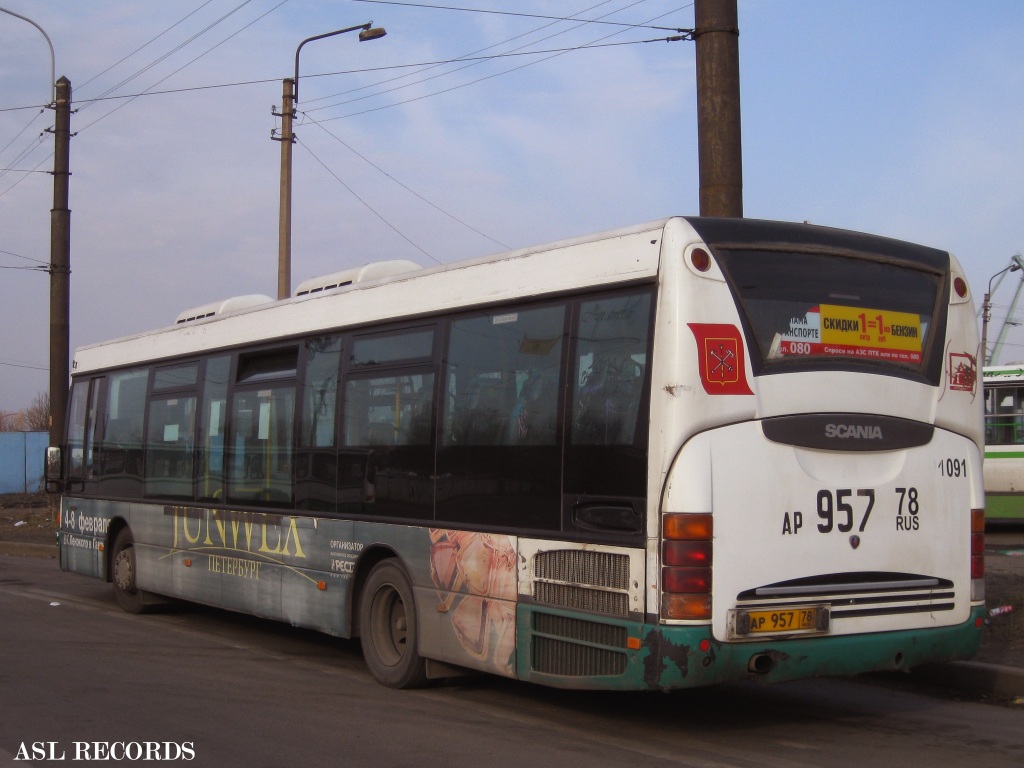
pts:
[29, 519]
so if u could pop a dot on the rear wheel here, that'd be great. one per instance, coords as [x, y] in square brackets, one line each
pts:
[389, 632]
[123, 574]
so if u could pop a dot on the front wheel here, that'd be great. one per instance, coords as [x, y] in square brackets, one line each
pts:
[388, 628]
[124, 572]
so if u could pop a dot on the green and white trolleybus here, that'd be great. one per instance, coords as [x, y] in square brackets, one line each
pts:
[678, 454]
[1004, 443]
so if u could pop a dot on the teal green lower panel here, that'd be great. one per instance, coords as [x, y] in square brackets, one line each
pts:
[565, 649]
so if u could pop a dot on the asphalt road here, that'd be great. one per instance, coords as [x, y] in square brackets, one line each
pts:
[238, 691]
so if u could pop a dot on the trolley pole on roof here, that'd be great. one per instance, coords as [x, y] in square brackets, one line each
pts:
[718, 108]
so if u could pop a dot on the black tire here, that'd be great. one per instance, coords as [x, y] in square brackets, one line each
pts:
[123, 574]
[389, 632]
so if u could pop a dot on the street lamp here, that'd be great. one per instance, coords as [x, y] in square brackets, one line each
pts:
[53, 67]
[290, 97]
[60, 246]
[986, 308]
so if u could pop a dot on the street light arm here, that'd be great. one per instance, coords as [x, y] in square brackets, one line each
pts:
[365, 26]
[986, 306]
[53, 63]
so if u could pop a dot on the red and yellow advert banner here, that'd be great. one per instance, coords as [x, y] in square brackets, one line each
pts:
[876, 334]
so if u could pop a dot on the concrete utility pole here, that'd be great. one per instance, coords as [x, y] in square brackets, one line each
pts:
[284, 226]
[289, 99]
[718, 108]
[60, 263]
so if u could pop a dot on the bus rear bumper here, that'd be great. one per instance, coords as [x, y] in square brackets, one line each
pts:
[633, 656]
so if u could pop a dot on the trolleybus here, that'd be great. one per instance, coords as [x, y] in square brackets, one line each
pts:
[682, 453]
[1004, 444]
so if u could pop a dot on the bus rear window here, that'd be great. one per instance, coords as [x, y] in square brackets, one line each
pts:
[812, 310]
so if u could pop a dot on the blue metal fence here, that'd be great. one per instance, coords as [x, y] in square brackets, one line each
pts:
[21, 461]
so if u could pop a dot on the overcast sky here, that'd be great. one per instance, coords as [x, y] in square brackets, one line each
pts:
[898, 118]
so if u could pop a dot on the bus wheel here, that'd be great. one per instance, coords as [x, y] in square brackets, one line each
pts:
[128, 595]
[388, 629]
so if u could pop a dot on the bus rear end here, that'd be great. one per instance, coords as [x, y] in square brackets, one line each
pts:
[816, 448]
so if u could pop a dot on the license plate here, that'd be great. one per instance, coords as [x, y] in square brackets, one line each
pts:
[780, 621]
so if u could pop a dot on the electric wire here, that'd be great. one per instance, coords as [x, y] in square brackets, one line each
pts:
[369, 207]
[406, 187]
[186, 64]
[506, 13]
[469, 58]
[178, 47]
[146, 44]
[554, 54]
[434, 66]
[263, 81]
[25, 365]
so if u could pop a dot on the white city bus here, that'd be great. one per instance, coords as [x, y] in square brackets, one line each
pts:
[682, 453]
[1004, 443]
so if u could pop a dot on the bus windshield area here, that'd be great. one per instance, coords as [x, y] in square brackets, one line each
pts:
[805, 310]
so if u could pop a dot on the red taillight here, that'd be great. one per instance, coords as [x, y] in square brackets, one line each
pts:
[686, 579]
[977, 543]
[686, 566]
[691, 553]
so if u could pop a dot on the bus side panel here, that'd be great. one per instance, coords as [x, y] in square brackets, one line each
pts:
[466, 597]
[83, 531]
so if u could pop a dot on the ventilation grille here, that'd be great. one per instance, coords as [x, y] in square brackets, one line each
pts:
[597, 582]
[582, 599]
[578, 629]
[856, 595]
[556, 657]
[575, 566]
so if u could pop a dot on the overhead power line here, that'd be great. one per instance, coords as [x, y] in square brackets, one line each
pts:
[515, 13]
[263, 81]
[369, 207]
[468, 58]
[407, 188]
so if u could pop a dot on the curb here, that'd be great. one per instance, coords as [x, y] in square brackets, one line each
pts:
[991, 680]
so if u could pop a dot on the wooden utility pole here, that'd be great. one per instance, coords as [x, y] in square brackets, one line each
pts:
[60, 263]
[718, 108]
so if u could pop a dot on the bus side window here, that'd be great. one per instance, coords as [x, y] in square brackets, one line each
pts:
[502, 374]
[121, 466]
[75, 458]
[213, 416]
[169, 444]
[260, 467]
[611, 357]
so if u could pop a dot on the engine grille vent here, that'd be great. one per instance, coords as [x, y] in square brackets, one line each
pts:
[587, 581]
[579, 629]
[575, 566]
[556, 657]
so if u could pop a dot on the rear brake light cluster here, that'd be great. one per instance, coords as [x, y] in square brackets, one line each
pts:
[686, 566]
[977, 543]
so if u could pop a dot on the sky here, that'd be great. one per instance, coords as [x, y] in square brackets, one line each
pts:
[903, 119]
